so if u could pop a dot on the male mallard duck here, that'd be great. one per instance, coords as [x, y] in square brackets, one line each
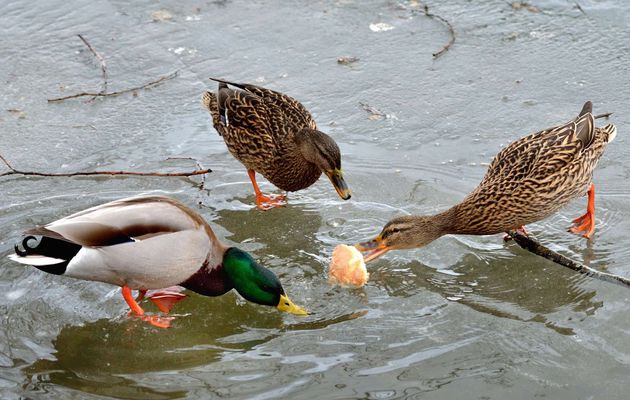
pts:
[527, 181]
[274, 135]
[149, 242]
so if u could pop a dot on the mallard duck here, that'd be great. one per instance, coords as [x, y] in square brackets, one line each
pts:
[149, 242]
[274, 135]
[527, 181]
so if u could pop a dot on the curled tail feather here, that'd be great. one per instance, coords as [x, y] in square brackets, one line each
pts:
[49, 254]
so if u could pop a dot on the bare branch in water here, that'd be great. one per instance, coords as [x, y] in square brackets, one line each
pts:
[537, 248]
[100, 59]
[579, 7]
[104, 92]
[604, 115]
[199, 167]
[147, 85]
[451, 30]
[15, 171]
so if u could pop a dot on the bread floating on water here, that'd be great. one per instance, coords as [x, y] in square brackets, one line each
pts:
[347, 267]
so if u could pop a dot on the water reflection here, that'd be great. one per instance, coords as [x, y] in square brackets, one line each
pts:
[115, 359]
[285, 229]
[522, 287]
[102, 357]
[288, 235]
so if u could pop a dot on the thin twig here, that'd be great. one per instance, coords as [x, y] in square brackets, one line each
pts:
[579, 7]
[521, 5]
[374, 112]
[203, 177]
[100, 59]
[604, 115]
[535, 247]
[15, 171]
[109, 94]
[451, 30]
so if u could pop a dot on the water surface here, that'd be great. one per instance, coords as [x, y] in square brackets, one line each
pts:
[465, 317]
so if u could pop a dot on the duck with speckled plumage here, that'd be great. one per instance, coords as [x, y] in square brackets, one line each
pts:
[273, 134]
[528, 180]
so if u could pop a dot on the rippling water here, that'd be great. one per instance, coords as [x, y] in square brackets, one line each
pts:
[465, 317]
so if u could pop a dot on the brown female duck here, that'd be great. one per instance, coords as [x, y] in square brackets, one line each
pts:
[274, 135]
[527, 181]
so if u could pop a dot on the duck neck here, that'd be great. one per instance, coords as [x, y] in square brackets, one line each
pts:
[209, 281]
[441, 224]
[420, 230]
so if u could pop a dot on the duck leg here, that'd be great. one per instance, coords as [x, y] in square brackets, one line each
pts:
[265, 201]
[521, 229]
[155, 320]
[586, 223]
[141, 294]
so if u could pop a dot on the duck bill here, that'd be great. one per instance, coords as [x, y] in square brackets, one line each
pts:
[376, 248]
[286, 305]
[336, 177]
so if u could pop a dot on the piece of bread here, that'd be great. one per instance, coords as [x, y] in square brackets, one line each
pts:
[347, 267]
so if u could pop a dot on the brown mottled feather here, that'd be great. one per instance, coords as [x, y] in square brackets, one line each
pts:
[533, 178]
[292, 110]
[259, 127]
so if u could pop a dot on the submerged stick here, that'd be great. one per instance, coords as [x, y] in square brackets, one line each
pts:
[100, 59]
[451, 30]
[119, 92]
[579, 7]
[604, 115]
[199, 167]
[537, 248]
[14, 171]
[104, 92]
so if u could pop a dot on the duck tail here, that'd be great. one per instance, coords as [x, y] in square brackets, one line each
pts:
[610, 131]
[586, 108]
[224, 84]
[209, 101]
[49, 254]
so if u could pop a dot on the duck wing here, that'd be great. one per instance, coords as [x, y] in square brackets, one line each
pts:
[286, 107]
[121, 221]
[146, 242]
[542, 153]
[246, 122]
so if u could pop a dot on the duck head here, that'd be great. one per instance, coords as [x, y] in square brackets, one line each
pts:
[320, 149]
[256, 283]
[400, 233]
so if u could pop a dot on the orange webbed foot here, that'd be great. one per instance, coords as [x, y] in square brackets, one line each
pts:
[585, 223]
[269, 201]
[157, 321]
[137, 311]
[265, 201]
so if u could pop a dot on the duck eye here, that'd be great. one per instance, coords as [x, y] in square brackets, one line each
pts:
[286, 304]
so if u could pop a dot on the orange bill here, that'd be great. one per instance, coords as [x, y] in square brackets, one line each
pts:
[375, 248]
